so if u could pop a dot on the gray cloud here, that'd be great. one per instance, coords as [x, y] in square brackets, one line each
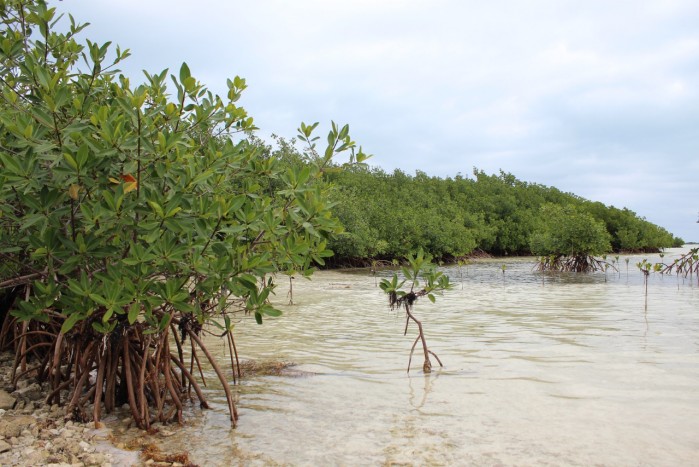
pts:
[596, 98]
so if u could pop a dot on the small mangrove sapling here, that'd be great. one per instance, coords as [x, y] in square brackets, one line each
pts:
[687, 264]
[645, 268]
[567, 239]
[421, 278]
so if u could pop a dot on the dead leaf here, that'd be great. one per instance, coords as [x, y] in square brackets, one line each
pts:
[73, 191]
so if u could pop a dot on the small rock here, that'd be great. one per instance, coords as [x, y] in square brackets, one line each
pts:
[12, 426]
[94, 459]
[59, 443]
[34, 457]
[4, 446]
[30, 393]
[6, 400]
[74, 450]
[55, 460]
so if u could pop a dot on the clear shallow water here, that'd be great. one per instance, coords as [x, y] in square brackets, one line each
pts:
[539, 370]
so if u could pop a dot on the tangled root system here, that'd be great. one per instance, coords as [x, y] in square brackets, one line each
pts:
[686, 265]
[577, 263]
[89, 372]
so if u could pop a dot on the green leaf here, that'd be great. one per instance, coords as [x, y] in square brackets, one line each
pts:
[70, 322]
[107, 314]
[134, 310]
[164, 321]
[157, 208]
[98, 299]
[270, 311]
[184, 72]
[70, 161]
[82, 155]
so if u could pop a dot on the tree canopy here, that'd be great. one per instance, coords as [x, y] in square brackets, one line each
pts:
[565, 230]
[133, 216]
[389, 215]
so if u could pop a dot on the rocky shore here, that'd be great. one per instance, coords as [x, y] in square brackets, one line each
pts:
[32, 433]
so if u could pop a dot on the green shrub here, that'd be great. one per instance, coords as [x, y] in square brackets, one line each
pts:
[135, 211]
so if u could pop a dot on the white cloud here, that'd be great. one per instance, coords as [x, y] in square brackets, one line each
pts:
[598, 98]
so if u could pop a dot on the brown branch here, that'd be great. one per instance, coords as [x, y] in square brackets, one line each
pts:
[231, 406]
[141, 382]
[171, 389]
[22, 280]
[129, 383]
[196, 358]
[98, 389]
[193, 382]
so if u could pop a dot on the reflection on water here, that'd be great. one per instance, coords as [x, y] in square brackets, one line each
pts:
[539, 370]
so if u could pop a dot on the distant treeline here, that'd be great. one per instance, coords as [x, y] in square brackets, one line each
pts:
[389, 215]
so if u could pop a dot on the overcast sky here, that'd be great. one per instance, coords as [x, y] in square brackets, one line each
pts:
[597, 98]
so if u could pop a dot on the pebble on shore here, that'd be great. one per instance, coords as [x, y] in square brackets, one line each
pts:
[32, 433]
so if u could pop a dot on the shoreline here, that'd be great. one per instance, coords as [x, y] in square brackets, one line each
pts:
[32, 433]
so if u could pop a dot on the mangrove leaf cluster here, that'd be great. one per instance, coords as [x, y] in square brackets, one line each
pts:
[131, 217]
[389, 215]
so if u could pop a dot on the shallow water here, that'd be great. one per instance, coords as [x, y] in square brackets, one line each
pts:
[538, 370]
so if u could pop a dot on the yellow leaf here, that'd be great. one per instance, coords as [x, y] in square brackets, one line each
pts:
[130, 183]
[114, 180]
[130, 186]
[73, 191]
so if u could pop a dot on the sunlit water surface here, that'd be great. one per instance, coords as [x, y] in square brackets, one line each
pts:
[538, 370]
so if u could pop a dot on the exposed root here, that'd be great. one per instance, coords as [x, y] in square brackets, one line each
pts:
[406, 302]
[577, 263]
[686, 265]
[91, 373]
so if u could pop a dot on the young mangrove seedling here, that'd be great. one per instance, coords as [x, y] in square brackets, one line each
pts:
[687, 264]
[421, 278]
[645, 268]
